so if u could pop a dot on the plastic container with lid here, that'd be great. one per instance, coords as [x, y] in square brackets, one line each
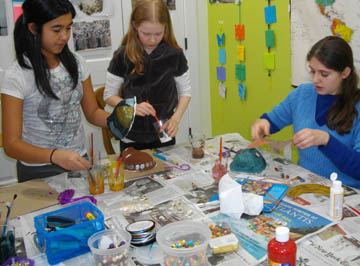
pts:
[187, 231]
[110, 247]
[282, 249]
[71, 241]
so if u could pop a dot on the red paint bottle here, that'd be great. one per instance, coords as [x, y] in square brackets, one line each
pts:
[282, 249]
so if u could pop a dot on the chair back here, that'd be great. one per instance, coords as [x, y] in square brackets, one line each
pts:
[106, 134]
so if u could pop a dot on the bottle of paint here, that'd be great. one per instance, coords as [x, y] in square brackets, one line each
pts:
[282, 249]
[336, 198]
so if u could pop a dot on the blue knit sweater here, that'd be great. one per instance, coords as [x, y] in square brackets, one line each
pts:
[304, 108]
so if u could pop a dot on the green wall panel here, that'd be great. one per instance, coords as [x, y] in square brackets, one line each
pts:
[262, 92]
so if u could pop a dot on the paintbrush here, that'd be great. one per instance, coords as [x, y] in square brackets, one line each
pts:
[8, 215]
[91, 176]
[156, 118]
[118, 167]
[220, 150]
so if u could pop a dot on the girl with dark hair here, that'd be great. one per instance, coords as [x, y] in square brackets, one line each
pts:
[150, 65]
[324, 114]
[42, 92]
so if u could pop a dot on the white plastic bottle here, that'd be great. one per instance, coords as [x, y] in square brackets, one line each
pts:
[336, 198]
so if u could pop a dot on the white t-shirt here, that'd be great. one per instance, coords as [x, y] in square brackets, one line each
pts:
[47, 122]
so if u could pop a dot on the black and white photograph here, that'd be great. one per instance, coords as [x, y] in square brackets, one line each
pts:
[91, 35]
[141, 186]
[89, 7]
[165, 213]
[3, 20]
[201, 195]
[99, 8]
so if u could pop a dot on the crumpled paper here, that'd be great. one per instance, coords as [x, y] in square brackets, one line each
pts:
[234, 202]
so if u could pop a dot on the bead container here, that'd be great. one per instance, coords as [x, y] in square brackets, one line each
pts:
[176, 240]
[110, 247]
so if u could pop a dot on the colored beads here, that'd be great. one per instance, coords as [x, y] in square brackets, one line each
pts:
[185, 244]
[108, 260]
[220, 229]
[282, 175]
[198, 259]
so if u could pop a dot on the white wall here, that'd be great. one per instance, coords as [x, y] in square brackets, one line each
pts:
[195, 29]
[203, 67]
[7, 165]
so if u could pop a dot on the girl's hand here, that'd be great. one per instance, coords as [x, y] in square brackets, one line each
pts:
[260, 128]
[144, 109]
[306, 138]
[70, 160]
[172, 126]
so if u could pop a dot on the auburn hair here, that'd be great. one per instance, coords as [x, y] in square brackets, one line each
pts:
[155, 11]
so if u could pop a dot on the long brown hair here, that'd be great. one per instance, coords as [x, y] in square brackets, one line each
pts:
[335, 53]
[150, 11]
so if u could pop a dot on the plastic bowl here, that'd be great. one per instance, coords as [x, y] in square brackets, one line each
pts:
[110, 247]
[173, 233]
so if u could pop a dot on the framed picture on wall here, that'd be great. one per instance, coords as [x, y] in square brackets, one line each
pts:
[91, 35]
[99, 8]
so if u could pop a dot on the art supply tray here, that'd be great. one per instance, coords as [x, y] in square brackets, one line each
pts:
[62, 240]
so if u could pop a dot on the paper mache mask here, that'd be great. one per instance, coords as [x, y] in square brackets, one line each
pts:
[248, 161]
[122, 118]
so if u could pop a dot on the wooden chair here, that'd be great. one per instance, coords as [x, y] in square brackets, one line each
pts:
[106, 134]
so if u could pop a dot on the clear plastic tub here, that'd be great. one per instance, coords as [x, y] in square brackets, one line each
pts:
[149, 255]
[110, 247]
[187, 231]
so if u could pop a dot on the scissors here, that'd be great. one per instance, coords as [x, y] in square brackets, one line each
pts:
[54, 222]
[183, 167]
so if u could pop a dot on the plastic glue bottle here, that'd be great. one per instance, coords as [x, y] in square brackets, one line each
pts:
[336, 198]
[282, 249]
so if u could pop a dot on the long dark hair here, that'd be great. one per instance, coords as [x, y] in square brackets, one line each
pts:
[335, 53]
[28, 45]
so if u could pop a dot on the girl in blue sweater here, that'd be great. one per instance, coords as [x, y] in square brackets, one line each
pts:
[324, 114]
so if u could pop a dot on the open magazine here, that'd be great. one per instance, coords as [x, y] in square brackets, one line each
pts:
[254, 233]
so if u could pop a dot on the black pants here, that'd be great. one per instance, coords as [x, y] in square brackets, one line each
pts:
[26, 173]
[143, 146]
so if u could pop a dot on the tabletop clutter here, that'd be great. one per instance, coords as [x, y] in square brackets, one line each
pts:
[239, 202]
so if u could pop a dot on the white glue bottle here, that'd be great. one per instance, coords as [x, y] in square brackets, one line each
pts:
[336, 198]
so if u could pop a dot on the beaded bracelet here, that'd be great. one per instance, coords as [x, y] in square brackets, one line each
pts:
[51, 155]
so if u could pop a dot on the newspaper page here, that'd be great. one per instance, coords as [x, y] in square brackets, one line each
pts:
[254, 233]
[184, 193]
[339, 244]
[166, 212]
